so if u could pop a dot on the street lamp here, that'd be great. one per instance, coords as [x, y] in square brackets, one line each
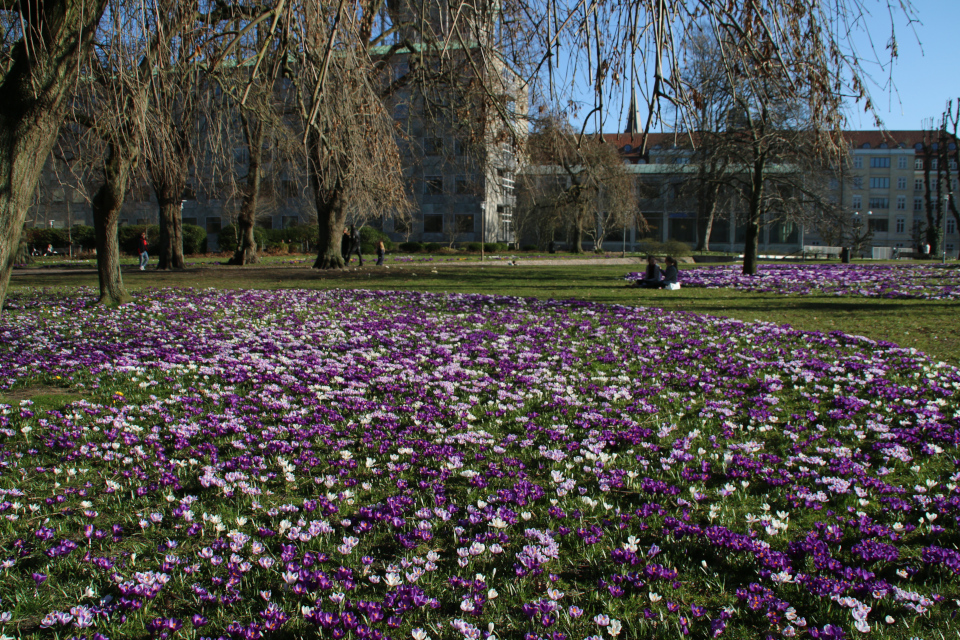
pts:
[943, 236]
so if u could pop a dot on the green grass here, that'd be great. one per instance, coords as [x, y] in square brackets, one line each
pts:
[929, 326]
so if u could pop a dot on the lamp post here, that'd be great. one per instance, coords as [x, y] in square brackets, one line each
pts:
[943, 236]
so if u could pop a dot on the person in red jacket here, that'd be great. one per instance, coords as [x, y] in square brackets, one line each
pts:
[142, 250]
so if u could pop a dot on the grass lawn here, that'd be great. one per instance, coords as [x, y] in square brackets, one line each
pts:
[929, 326]
[274, 452]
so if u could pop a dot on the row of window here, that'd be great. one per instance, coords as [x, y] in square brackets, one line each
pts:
[461, 223]
[883, 162]
[884, 183]
[464, 185]
[882, 225]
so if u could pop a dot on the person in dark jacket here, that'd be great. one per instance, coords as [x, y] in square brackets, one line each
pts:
[671, 273]
[651, 277]
[354, 245]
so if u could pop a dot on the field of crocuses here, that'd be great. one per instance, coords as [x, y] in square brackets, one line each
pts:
[358, 464]
[931, 282]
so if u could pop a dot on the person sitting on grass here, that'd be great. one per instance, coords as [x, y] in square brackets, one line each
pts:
[670, 275]
[651, 277]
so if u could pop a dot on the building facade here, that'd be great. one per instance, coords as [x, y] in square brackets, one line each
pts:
[881, 189]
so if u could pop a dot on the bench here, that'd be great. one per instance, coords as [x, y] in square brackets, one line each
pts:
[904, 254]
[825, 252]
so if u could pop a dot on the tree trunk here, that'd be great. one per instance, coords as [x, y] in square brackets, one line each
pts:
[169, 177]
[170, 255]
[752, 241]
[246, 252]
[106, 213]
[707, 212]
[331, 213]
[42, 70]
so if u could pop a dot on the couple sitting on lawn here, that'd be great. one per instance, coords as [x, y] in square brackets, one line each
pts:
[651, 278]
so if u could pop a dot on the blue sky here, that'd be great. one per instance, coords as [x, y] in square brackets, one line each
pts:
[925, 76]
[927, 73]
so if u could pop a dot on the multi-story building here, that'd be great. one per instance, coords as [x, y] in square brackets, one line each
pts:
[882, 188]
[460, 168]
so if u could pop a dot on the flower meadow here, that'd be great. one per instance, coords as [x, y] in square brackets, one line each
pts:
[361, 464]
[931, 282]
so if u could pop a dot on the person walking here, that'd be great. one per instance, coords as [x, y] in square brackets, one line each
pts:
[142, 250]
[354, 245]
[381, 251]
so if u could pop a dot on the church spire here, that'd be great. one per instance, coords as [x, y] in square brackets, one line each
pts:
[633, 118]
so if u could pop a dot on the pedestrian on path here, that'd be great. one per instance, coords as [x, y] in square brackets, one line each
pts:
[142, 250]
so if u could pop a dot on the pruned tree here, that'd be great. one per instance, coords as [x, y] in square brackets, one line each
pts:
[590, 191]
[353, 162]
[173, 118]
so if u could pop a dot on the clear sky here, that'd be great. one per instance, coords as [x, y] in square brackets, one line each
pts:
[927, 72]
[924, 76]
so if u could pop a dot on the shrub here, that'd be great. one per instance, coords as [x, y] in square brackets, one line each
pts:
[369, 238]
[411, 247]
[83, 236]
[495, 247]
[473, 247]
[41, 237]
[228, 239]
[432, 247]
[194, 239]
[676, 248]
[128, 235]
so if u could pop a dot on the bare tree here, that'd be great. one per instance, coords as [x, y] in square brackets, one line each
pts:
[590, 191]
[173, 118]
[43, 45]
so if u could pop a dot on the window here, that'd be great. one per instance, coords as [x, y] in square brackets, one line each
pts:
[902, 184]
[902, 162]
[857, 182]
[189, 193]
[902, 203]
[433, 185]
[918, 204]
[465, 223]
[879, 203]
[951, 225]
[918, 164]
[433, 146]
[882, 162]
[288, 189]
[901, 224]
[933, 164]
[877, 226]
[286, 222]
[459, 147]
[953, 165]
[401, 225]
[213, 224]
[433, 224]
[464, 186]
[879, 183]
[918, 184]
[857, 202]
[241, 155]
[858, 162]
